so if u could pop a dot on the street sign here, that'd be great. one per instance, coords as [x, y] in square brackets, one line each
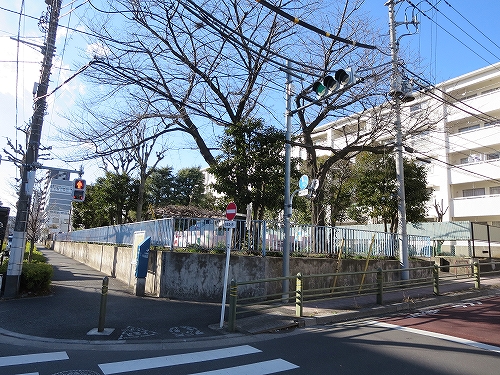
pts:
[230, 224]
[303, 182]
[303, 192]
[231, 211]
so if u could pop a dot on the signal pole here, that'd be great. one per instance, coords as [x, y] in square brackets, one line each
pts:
[29, 165]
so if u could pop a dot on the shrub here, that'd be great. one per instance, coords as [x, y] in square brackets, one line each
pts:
[36, 278]
[36, 256]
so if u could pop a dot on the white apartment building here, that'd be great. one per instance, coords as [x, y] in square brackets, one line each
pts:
[57, 197]
[463, 146]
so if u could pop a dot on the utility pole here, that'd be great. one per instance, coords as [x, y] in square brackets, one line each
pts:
[287, 212]
[30, 161]
[399, 95]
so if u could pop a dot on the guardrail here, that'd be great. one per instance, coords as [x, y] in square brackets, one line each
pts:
[376, 282]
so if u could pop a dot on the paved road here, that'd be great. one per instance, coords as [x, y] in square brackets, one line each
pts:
[476, 320]
[349, 348]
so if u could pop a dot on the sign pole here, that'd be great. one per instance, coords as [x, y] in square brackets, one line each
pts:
[229, 235]
[231, 211]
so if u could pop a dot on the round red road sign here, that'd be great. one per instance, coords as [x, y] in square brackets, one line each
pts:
[231, 211]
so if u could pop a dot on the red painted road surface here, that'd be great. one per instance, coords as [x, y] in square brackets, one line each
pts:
[476, 320]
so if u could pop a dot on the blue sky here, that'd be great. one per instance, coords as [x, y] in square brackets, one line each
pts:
[454, 38]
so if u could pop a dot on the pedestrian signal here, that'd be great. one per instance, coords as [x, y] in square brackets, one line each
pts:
[79, 187]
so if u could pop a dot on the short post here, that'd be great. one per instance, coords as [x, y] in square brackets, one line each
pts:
[233, 295]
[435, 279]
[299, 297]
[380, 283]
[477, 276]
[104, 297]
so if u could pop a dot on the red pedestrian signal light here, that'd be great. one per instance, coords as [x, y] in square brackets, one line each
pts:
[79, 186]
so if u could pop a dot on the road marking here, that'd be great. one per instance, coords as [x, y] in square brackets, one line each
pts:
[32, 358]
[133, 333]
[30, 373]
[423, 313]
[441, 336]
[177, 359]
[467, 304]
[260, 368]
[183, 331]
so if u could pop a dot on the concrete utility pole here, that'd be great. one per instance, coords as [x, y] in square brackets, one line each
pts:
[287, 212]
[399, 94]
[29, 164]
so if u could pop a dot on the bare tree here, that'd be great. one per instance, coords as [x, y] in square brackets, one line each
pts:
[35, 218]
[196, 66]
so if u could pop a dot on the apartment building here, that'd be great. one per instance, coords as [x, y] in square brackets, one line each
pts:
[57, 196]
[462, 144]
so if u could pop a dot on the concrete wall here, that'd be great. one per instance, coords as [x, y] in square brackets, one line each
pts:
[114, 261]
[195, 276]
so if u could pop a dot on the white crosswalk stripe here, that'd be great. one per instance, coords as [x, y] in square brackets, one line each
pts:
[173, 360]
[259, 368]
[32, 358]
[256, 368]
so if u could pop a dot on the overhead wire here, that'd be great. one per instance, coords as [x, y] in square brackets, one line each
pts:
[453, 36]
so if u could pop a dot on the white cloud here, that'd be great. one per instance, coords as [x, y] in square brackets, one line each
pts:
[97, 50]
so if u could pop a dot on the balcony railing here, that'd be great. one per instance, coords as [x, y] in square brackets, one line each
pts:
[482, 205]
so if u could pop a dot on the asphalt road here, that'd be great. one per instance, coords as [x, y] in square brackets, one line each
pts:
[375, 347]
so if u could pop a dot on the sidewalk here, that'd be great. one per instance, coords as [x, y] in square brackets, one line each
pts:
[72, 311]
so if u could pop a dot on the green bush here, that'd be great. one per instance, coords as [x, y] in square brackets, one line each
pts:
[36, 256]
[36, 278]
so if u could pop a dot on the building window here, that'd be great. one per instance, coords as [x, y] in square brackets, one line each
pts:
[416, 107]
[490, 90]
[494, 190]
[492, 156]
[491, 123]
[469, 96]
[473, 192]
[468, 128]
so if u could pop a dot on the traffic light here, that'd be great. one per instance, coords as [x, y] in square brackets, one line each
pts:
[79, 187]
[332, 83]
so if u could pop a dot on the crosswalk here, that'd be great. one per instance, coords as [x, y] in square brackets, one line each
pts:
[218, 356]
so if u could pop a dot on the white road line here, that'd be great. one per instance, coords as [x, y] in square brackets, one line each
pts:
[441, 336]
[177, 359]
[260, 368]
[32, 358]
[30, 373]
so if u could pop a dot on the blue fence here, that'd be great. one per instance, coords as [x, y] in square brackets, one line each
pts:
[254, 236]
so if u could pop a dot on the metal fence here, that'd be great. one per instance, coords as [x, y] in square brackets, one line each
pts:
[257, 237]
[310, 288]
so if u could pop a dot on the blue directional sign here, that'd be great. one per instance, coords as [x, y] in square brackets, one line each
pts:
[303, 182]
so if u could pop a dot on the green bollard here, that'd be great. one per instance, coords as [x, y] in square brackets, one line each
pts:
[233, 296]
[380, 283]
[435, 283]
[104, 297]
[299, 300]
[477, 276]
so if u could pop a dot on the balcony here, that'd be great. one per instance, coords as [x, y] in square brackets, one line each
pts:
[483, 205]
[475, 172]
[485, 136]
[481, 103]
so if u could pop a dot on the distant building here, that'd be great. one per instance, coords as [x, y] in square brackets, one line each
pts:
[56, 202]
